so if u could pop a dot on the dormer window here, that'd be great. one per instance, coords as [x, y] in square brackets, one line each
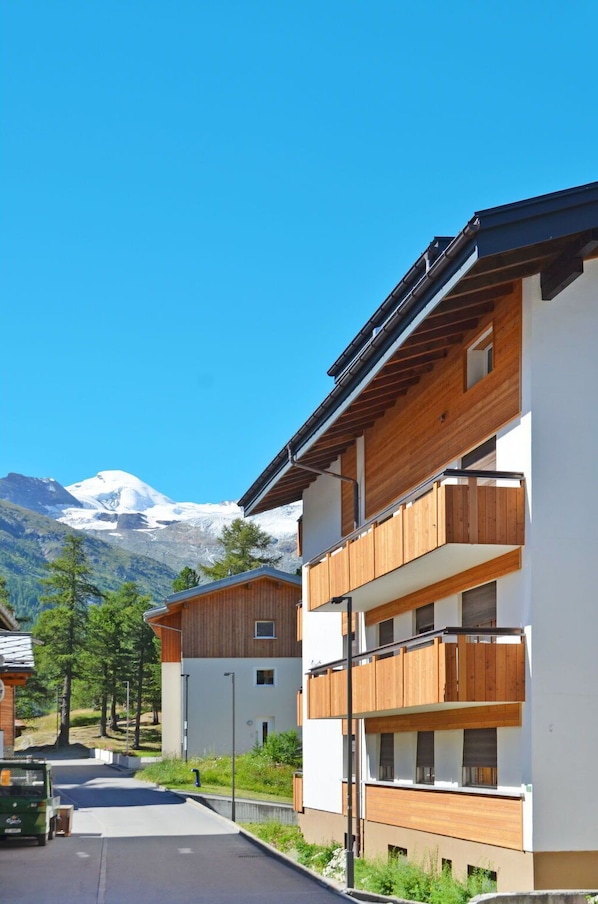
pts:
[480, 358]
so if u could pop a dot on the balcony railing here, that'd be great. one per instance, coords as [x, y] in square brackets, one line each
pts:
[432, 669]
[462, 518]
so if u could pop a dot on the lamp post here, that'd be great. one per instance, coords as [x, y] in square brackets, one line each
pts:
[185, 675]
[232, 676]
[349, 855]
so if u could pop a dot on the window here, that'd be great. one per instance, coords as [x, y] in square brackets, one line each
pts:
[386, 634]
[394, 852]
[482, 458]
[488, 875]
[480, 358]
[447, 865]
[424, 618]
[264, 677]
[387, 757]
[480, 757]
[264, 629]
[478, 606]
[425, 758]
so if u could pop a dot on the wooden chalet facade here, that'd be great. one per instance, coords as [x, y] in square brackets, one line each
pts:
[16, 666]
[438, 494]
[246, 624]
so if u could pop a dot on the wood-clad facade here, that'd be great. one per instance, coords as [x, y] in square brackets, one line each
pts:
[244, 625]
[455, 412]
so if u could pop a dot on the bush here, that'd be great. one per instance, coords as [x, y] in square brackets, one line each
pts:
[282, 748]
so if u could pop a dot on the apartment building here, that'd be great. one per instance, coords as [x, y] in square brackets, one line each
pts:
[243, 625]
[449, 493]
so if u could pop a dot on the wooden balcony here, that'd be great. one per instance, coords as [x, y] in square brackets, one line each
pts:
[453, 523]
[438, 669]
[485, 818]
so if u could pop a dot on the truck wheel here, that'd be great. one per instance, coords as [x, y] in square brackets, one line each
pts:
[42, 839]
[52, 829]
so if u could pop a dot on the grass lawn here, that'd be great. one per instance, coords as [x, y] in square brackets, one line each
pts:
[41, 732]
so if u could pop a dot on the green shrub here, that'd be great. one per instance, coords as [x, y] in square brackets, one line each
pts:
[282, 748]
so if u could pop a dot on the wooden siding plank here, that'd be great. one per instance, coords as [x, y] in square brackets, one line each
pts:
[361, 560]
[319, 584]
[388, 544]
[439, 419]
[504, 715]
[339, 572]
[487, 819]
[222, 624]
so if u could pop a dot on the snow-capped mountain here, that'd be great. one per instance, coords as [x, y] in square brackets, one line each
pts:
[118, 500]
[122, 510]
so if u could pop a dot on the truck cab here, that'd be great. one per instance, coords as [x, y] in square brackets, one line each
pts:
[28, 806]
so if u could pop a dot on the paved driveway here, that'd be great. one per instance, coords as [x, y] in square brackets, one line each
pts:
[135, 844]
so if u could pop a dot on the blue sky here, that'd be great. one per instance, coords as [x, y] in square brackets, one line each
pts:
[202, 202]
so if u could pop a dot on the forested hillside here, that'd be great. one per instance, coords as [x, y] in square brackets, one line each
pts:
[29, 540]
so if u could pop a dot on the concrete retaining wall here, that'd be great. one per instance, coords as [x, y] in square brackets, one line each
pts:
[248, 810]
[119, 759]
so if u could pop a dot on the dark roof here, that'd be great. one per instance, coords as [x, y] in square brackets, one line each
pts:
[264, 571]
[451, 286]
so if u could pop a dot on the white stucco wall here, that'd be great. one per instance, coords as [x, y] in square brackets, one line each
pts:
[171, 709]
[560, 389]
[210, 702]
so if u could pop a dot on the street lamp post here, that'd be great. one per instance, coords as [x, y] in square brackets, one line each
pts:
[232, 676]
[185, 675]
[349, 854]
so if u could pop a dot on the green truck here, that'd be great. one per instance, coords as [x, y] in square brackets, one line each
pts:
[28, 806]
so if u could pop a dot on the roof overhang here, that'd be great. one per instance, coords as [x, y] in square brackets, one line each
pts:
[425, 315]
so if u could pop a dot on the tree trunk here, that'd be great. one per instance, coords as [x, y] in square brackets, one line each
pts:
[63, 738]
[103, 714]
[113, 713]
[139, 703]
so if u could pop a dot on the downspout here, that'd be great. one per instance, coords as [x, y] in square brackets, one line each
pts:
[294, 463]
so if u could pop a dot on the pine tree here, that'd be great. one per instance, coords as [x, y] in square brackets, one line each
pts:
[5, 595]
[186, 580]
[245, 546]
[62, 627]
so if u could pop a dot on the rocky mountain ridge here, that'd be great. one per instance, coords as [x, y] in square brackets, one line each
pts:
[116, 510]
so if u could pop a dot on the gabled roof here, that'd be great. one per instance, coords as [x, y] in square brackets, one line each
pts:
[443, 296]
[246, 577]
[16, 650]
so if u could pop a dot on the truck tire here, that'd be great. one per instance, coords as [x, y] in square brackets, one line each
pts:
[42, 839]
[52, 829]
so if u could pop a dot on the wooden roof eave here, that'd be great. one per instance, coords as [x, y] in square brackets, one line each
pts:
[504, 255]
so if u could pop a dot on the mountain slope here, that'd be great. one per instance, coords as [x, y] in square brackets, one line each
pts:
[28, 541]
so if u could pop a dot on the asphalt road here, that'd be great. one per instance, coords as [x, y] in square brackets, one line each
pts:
[134, 844]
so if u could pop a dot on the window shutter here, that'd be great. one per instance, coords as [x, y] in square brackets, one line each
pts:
[479, 747]
[479, 606]
[386, 632]
[425, 748]
[387, 753]
[424, 618]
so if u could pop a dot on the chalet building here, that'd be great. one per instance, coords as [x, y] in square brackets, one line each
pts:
[245, 624]
[16, 666]
[449, 492]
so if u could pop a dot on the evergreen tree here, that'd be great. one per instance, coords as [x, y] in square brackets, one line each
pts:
[186, 580]
[107, 654]
[244, 545]
[62, 627]
[143, 652]
[5, 595]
